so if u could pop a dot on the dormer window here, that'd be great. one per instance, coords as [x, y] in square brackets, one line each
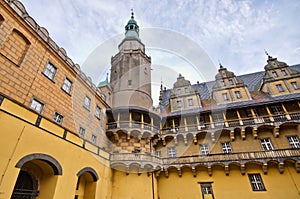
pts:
[225, 96]
[179, 104]
[295, 85]
[186, 90]
[223, 83]
[275, 74]
[238, 94]
[230, 81]
[280, 88]
[284, 73]
[179, 91]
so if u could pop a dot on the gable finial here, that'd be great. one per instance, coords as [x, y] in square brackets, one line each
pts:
[221, 66]
[269, 56]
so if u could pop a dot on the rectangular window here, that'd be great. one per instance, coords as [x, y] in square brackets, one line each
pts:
[284, 73]
[279, 88]
[179, 104]
[129, 82]
[204, 150]
[277, 110]
[223, 83]
[179, 91]
[94, 139]
[256, 182]
[294, 141]
[87, 102]
[225, 96]
[36, 105]
[97, 112]
[266, 144]
[157, 153]
[67, 85]
[230, 81]
[81, 132]
[226, 147]
[186, 90]
[171, 152]
[238, 94]
[206, 189]
[50, 71]
[295, 85]
[275, 74]
[58, 118]
[190, 101]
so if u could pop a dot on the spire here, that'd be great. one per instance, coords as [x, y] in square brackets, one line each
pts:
[132, 28]
[269, 57]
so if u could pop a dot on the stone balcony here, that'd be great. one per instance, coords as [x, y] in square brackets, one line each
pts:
[242, 158]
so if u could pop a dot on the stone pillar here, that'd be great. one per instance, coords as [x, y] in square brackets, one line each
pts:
[270, 114]
[287, 115]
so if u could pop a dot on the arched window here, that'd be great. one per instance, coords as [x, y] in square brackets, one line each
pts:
[15, 47]
[86, 183]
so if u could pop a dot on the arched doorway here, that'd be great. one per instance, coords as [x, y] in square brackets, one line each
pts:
[37, 177]
[86, 184]
[26, 186]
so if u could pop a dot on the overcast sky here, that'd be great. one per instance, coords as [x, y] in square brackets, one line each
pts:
[234, 32]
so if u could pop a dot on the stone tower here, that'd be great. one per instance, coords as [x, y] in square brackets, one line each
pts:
[131, 71]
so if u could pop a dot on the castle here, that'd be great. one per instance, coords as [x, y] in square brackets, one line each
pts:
[64, 137]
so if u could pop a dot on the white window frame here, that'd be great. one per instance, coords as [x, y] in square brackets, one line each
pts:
[171, 152]
[67, 85]
[266, 144]
[50, 71]
[81, 132]
[230, 82]
[58, 118]
[294, 141]
[157, 153]
[256, 182]
[206, 188]
[87, 102]
[36, 105]
[204, 149]
[226, 147]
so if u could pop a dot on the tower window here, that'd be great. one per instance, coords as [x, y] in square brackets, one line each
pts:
[256, 182]
[36, 105]
[279, 88]
[294, 141]
[230, 82]
[171, 152]
[129, 82]
[186, 90]
[87, 102]
[50, 71]
[67, 85]
[295, 85]
[178, 91]
[225, 96]
[275, 74]
[266, 144]
[238, 94]
[284, 73]
[58, 118]
[226, 147]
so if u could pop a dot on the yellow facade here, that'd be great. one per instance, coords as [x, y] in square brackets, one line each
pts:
[72, 142]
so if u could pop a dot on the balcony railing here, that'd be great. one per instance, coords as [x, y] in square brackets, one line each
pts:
[236, 157]
[133, 124]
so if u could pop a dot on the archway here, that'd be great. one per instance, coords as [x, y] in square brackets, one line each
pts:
[86, 183]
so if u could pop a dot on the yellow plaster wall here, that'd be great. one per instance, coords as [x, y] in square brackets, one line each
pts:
[235, 185]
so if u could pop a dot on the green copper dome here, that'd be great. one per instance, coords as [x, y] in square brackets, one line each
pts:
[132, 29]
